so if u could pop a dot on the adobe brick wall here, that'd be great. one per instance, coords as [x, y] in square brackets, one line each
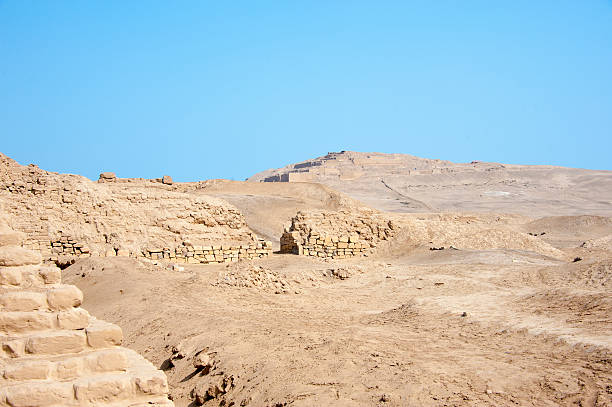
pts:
[335, 234]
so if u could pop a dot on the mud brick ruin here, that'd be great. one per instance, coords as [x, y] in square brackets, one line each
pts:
[335, 235]
[53, 353]
[212, 254]
[69, 216]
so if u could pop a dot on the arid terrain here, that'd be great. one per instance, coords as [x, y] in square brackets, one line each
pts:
[428, 283]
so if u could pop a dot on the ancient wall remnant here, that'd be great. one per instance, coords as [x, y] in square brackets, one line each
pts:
[335, 234]
[212, 254]
[52, 352]
[66, 215]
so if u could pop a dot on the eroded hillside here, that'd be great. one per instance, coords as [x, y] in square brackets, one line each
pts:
[404, 183]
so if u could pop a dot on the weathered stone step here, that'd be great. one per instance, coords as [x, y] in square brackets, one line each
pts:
[19, 322]
[64, 367]
[92, 390]
[98, 334]
[53, 297]
[30, 276]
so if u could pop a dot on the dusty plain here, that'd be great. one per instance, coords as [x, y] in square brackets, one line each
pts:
[515, 310]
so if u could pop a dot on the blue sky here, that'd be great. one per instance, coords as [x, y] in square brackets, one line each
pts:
[203, 89]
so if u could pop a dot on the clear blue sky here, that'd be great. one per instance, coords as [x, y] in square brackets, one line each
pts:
[203, 89]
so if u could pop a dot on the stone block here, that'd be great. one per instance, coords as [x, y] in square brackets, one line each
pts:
[109, 360]
[102, 388]
[64, 297]
[13, 348]
[22, 301]
[76, 318]
[50, 274]
[18, 256]
[68, 368]
[21, 322]
[47, 393]
[10, 276]
[108, 176]
[151, 382]
[58, 342]
[28, 370]
[11, 238]
[101, 334]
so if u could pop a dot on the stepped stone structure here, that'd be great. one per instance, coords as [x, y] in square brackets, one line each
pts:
[335, 235]
[52, 352]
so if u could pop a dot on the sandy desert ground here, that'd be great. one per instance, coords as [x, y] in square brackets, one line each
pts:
[515, 310]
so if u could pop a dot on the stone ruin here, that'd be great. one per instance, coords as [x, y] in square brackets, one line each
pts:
[112, 177]
[66, 217]
[53, 353]
[188, 253]
[335, 235]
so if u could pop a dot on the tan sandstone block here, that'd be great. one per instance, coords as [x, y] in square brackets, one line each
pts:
[22, 301]
[58, 342]
[18, 256]
[76, 318]
[13, 348]
[40, 394]
[111, 360]
[151, 382]
[65, 297]
[20, 322]
[11, 238]
[103, 388]
[69, 368]
[10, 276]
[30, 370]
[103, 334]
[50, 275]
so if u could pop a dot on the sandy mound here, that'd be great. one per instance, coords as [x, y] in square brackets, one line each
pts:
[473, 232]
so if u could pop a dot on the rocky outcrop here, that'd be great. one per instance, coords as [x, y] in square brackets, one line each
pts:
[53, 353]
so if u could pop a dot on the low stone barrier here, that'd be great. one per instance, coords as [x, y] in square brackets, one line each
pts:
[211, 254]
[335, 247]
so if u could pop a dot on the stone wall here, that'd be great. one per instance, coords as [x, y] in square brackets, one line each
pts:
[335, 234]
[211, 254]
[52, 352]
[65, 247]
[331, 246]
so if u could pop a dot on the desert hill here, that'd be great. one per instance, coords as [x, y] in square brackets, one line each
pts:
[404, 183]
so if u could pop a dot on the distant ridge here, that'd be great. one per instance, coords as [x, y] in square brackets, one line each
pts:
[405, 183]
